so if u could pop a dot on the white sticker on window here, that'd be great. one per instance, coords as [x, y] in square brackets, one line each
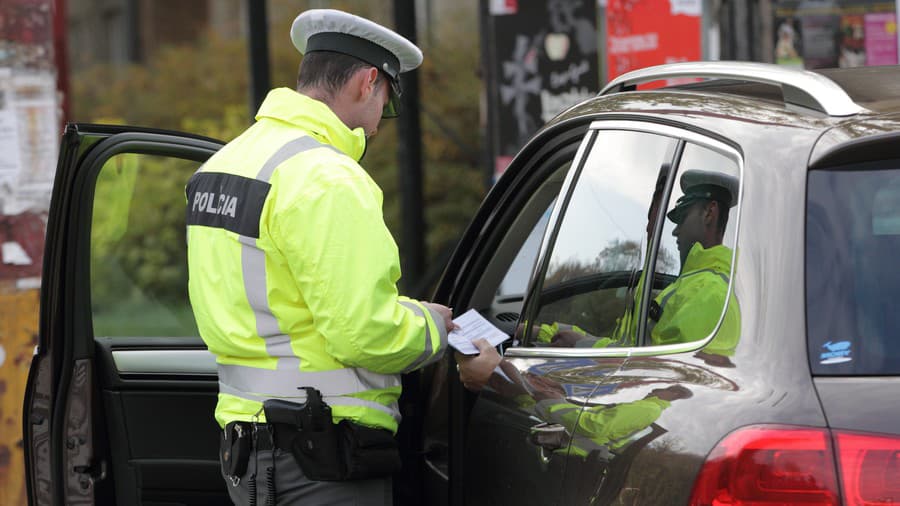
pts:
[836, 353]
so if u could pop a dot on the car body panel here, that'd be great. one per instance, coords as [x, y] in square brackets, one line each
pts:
[868, 404]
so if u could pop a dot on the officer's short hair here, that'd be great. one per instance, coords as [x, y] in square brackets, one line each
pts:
[329, 71]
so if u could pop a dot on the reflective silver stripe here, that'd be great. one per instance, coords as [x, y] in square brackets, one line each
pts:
[281, 383]
[253, 267]
[253, 263]
[428, 356]
[392, 410]
[294, 147]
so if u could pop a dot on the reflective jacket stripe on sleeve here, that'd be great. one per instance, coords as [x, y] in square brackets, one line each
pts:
[428, 356]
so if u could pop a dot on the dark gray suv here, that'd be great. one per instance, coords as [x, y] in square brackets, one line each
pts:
[698, 279]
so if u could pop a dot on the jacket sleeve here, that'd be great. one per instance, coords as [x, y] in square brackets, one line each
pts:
[692, 311]
[346, 265]
[602, 424]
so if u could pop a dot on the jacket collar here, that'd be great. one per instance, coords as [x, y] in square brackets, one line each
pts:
[315, 117]
[717, 258]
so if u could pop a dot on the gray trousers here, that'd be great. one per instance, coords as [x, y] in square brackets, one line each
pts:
[274, 478]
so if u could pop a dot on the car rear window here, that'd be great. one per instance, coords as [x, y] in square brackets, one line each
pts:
[853, 269]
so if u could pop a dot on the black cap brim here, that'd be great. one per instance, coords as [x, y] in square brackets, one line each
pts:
[679, 212]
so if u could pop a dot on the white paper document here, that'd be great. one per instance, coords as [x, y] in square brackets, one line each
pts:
[473, 326]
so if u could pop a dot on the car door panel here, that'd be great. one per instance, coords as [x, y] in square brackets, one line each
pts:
[518, 447]
[143, 378]
[124, 415]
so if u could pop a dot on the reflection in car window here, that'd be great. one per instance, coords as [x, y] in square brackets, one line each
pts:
[503, 283]
[693, 264]
[515, 282]
[852, 279]
[138, 262]
[600, 248]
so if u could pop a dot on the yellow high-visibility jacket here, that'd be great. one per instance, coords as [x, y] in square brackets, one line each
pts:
[293, 272]
[689, 308]
[692, 305]
[601, 427]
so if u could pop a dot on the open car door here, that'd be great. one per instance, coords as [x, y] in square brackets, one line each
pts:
[121, 392]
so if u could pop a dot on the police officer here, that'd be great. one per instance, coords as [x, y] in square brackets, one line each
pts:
[293, 272]
[689, 308]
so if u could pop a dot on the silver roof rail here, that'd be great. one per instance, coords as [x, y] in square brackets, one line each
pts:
[800, 87]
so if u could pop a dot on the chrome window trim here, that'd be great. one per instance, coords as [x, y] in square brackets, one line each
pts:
[172, 361]
[681, 135]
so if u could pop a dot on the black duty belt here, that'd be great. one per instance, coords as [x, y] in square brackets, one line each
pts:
[261, 440]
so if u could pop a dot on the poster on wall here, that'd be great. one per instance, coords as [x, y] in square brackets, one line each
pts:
[880, 38]
[37, 112]
[543, 58]
[642, 33]
[826, 33]
[10, 162]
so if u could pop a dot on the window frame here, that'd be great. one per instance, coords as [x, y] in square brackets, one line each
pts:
[682, 136]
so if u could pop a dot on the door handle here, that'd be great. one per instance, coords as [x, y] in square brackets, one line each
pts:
[549, 436]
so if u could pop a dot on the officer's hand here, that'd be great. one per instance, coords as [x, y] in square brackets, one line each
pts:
[476, 370]
[445, 312]
[565, 339]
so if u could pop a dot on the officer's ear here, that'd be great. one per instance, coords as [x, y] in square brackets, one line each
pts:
[711, 213]
[368, 82]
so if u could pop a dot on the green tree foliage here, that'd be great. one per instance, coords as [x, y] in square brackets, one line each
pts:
[138, 259]
[594, 295]
[202, 88]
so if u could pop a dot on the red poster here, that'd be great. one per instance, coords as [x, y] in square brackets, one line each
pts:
[643, 33]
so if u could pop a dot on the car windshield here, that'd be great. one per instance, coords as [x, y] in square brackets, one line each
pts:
[852, 278]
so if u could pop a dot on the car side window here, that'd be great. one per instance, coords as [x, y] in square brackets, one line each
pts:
[599, 250]
[692, 269]
[852, 280]
[515, 282]
[138, 257]
[500, 292]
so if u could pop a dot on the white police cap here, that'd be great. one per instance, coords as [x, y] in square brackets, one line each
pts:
[699, 185]
[710, 185]
[341, 32]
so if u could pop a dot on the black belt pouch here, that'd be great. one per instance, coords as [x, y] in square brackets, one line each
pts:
[368, 452]
[237, 449]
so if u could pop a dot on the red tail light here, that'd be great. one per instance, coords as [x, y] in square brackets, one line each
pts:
[780, 465]
[769, 465]
[870, 468]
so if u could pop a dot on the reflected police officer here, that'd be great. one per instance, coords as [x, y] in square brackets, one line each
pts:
[689, 308]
